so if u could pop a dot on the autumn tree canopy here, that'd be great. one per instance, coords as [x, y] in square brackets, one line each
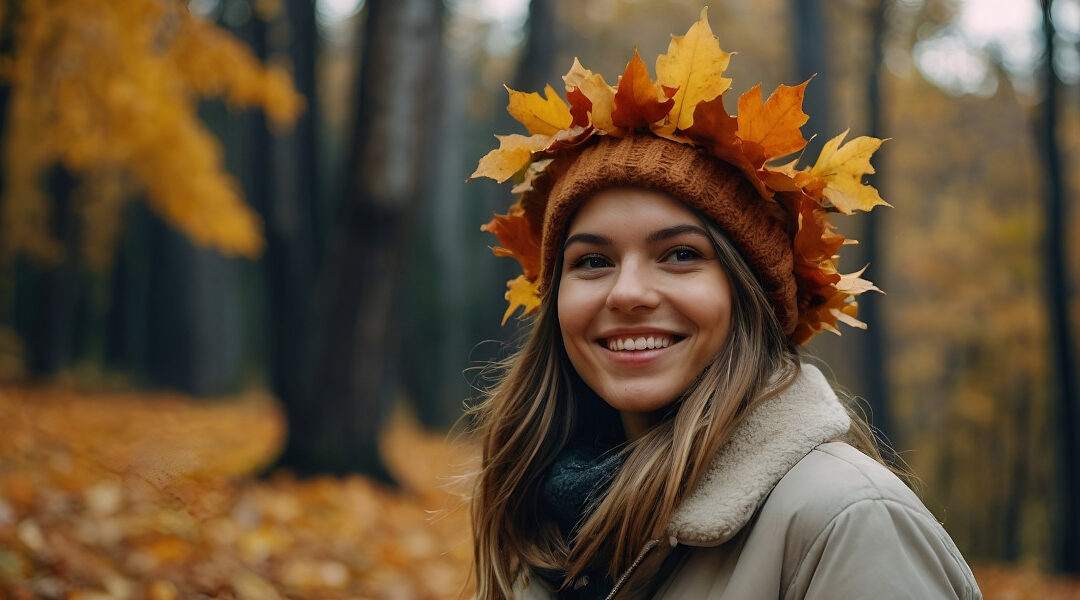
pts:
[109, 91]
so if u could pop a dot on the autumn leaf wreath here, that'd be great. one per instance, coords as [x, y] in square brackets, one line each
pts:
[686, 105]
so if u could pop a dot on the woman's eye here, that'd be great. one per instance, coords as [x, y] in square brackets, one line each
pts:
[592, 261]
[683, 255]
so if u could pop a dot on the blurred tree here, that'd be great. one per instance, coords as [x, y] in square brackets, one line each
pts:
[874, 340]
[1067, 557]
[357, 367]
[103, 98]
[286, 188]
[811, 50]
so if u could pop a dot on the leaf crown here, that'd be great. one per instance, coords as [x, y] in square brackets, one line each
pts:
[685, 105]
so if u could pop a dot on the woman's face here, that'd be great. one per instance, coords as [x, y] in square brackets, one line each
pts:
[643, 302]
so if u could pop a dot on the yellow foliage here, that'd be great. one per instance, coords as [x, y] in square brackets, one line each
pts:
[694, 64]
[109, 91]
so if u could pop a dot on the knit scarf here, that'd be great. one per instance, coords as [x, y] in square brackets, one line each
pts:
[578, 476]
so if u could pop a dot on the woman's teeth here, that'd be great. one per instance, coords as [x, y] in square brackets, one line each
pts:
[639, 343]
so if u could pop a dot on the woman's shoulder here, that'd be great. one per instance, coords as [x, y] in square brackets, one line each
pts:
[834, 477]
[842, 513]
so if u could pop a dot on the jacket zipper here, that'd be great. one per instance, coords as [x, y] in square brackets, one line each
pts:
[649, 545]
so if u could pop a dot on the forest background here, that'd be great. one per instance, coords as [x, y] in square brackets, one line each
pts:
[244, 293]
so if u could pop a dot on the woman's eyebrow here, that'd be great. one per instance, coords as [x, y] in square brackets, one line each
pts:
[588, 238]
[671, 232]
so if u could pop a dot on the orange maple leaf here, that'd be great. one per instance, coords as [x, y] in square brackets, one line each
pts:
[820, 313]
[816, 238]
[772, 129]
[715, 129]
[638, 101]
[518, 239]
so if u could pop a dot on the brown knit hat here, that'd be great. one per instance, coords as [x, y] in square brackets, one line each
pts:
[715, 188]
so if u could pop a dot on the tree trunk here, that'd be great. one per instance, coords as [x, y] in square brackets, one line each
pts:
[47, 311]
[874, 340]
[357, 367]
[1063, 349]
[810, 28]
[285, 186]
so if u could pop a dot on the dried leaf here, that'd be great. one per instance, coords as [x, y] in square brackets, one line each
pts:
[773, 126]
[693, 68]
[518, 240]
[854, 284]
[513, 153]
[521, 292]
[715, 129]
[638, 101]
[544, 116]
[842, 169]
[600, 95]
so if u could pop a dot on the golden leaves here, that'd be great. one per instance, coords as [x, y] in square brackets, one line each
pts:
[520, 292]
[127, 111]
[694, 65]
[842, 168]
[546, 116]
[514, 152]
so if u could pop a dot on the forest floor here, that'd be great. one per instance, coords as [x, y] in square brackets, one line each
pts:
[129, 496]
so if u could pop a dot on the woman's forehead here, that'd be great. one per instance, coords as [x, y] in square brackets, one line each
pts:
[629, 206]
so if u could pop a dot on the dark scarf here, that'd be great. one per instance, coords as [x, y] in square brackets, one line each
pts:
[578, 476]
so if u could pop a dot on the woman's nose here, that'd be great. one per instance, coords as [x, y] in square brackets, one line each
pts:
[633, 289]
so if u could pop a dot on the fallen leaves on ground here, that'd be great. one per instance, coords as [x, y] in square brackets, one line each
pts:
[129, 496]
[152, 495]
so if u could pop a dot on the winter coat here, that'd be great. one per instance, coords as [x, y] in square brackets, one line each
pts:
[783, 511]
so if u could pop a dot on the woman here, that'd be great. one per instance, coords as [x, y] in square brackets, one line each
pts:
[656, 436]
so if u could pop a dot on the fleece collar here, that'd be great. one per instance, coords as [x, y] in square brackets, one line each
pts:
[778, 433]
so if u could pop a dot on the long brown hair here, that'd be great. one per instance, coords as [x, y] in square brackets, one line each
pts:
[538, 403]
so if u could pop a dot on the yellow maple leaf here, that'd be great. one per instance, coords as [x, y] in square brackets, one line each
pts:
[694, 64]
[599, 93]
[842, 169]
[511, 156]
[544, 116]
[521, 292]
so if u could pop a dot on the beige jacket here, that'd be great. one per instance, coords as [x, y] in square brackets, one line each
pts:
[783, 512]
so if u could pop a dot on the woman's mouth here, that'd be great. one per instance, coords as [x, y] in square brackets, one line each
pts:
[630, 343]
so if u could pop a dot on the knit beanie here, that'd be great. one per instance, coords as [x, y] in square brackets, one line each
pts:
[702, 182]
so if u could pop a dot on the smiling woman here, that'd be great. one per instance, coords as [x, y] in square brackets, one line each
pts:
[644, 302]
[656, 435]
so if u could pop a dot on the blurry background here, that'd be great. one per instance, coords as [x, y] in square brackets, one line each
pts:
[225, 219]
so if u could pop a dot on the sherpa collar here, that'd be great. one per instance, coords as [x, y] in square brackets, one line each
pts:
[769, 441]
